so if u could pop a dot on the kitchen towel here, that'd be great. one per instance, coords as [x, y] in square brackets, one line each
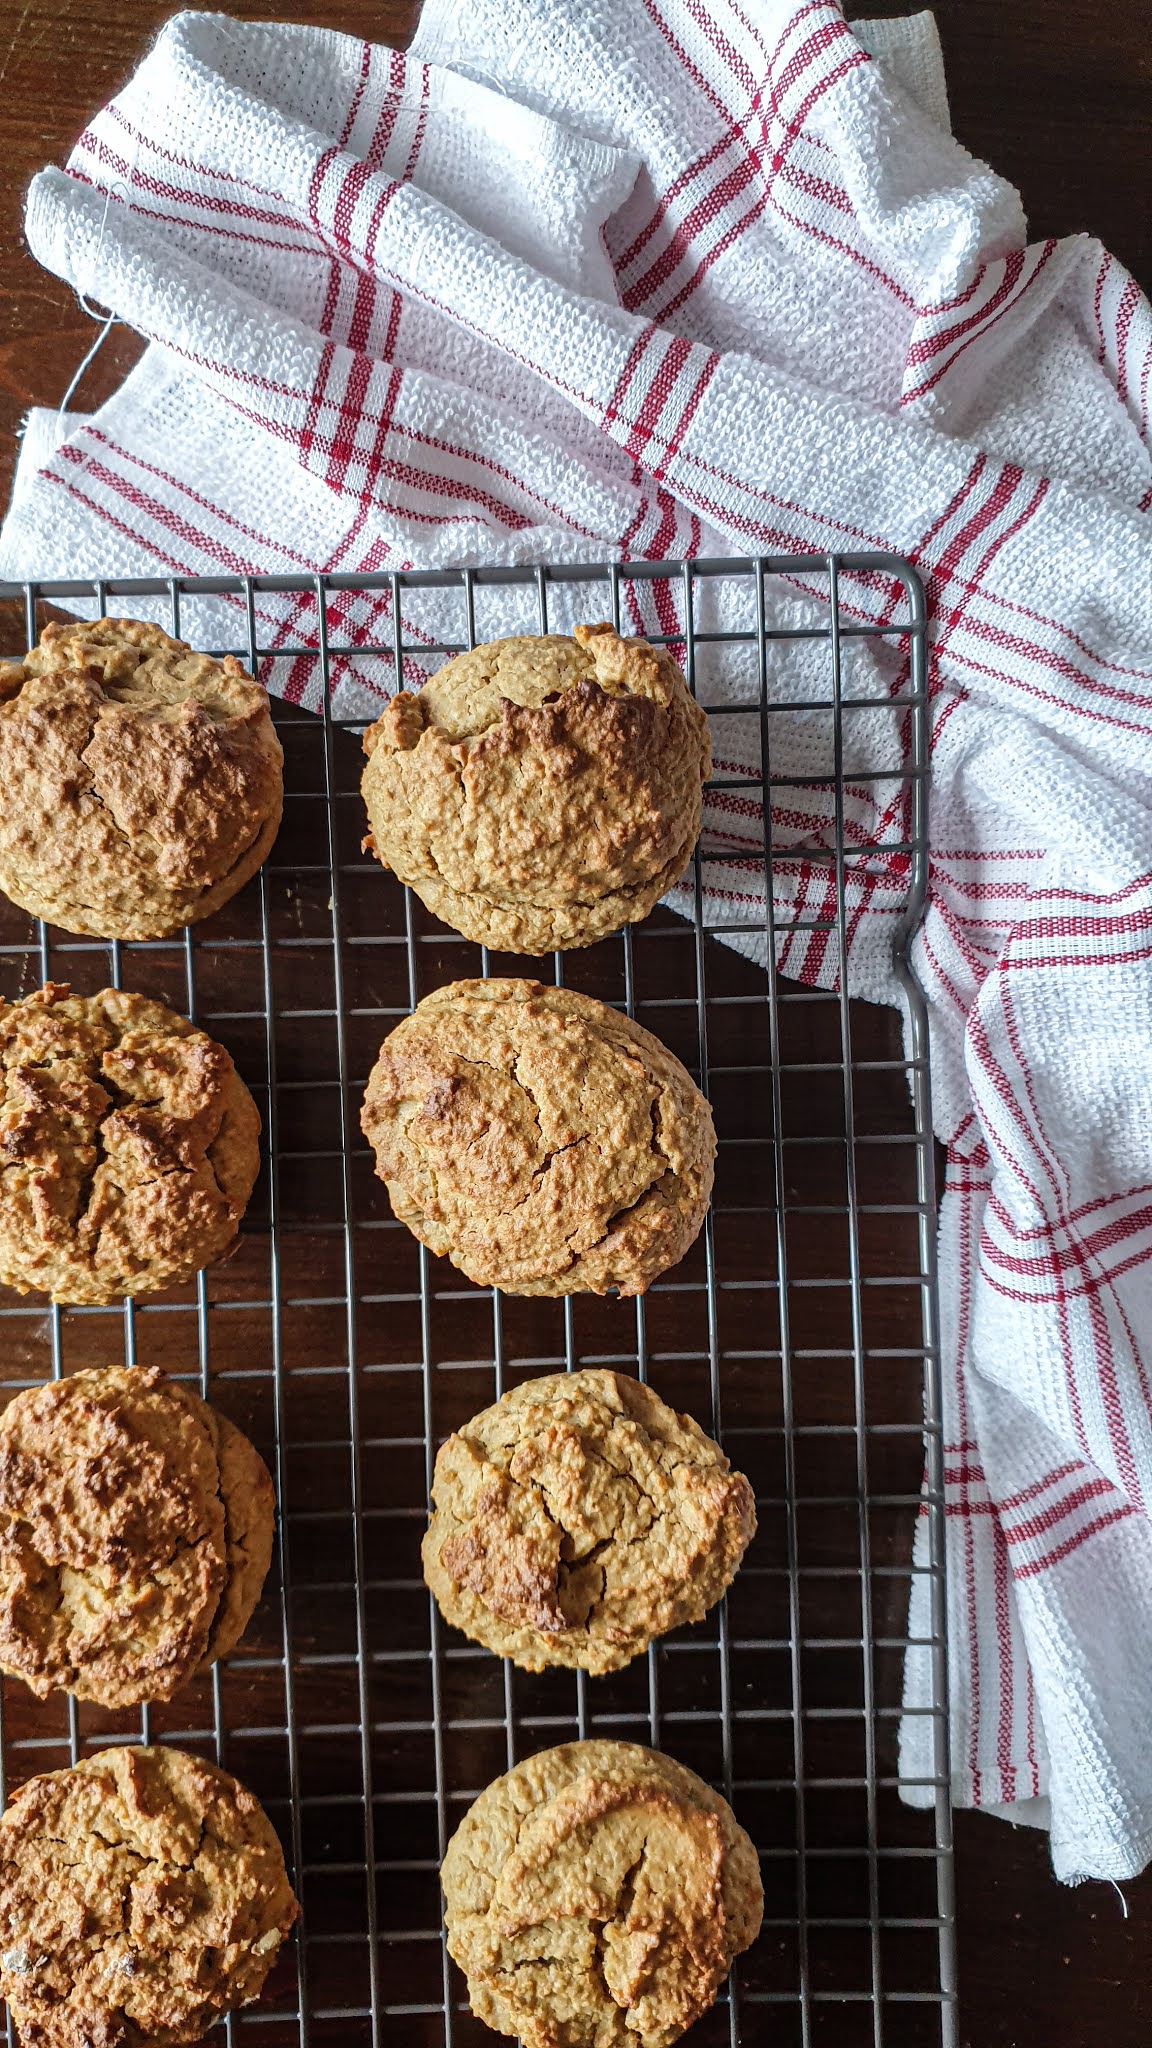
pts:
[665, 278]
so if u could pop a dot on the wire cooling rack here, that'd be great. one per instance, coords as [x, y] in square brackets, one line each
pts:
[801, 1329]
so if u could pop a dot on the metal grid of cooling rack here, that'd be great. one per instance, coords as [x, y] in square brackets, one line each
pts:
[801, 1330]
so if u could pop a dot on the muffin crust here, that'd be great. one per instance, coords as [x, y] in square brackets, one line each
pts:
[136, 1530]
[540, 791]
[143, 783]
[142, 1894]
[578, 1519]
[544, 1142]
[596, 1896]
[129, 1146]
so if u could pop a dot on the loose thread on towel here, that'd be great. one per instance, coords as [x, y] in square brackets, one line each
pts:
[108, 322]
[107, 319]
[118, 190]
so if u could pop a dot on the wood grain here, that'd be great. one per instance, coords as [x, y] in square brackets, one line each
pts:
[1055, 94]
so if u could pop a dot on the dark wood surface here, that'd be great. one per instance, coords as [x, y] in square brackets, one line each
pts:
[1055, 94]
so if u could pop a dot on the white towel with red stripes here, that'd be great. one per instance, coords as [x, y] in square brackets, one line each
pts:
[663, 278]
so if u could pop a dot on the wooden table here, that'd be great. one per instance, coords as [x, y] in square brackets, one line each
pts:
[1055, 94]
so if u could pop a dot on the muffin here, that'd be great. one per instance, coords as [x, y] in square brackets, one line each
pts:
[143, 783]
[142, 1894]
[129, 1146]
[579, 1518]
[543, 1141]
[541, 791]
[597, 1895]
[136, 1530]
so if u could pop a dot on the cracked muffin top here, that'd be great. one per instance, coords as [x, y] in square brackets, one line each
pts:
[544, 1142]
[578, 1519]
[129, 1146]
[143, 783]
[135, 1534]
[142, 1894]
[541, 791]
[597, 1895]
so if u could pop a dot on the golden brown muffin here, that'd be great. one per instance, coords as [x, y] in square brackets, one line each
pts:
[543, 1141]
[129, 1146]
[142, 1894]
[597, 1895]
[579, 1518]
[135, 1534]
[540, 791]
[143, 783]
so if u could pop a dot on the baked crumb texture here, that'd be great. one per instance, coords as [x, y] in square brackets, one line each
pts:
[136, 1530]
[542, 791]
[578, 1519]
[129, 1146]
[143, 783]
[541, 1140]
[597, 1895]
[142, 1894]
